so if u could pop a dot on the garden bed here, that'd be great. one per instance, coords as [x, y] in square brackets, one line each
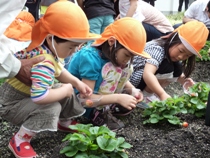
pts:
[149, 141]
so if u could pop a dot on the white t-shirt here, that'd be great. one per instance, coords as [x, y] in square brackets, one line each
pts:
[124, 5]
[197, 10]
[155, 17]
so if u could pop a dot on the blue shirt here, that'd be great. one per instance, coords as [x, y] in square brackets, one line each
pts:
[87, 64]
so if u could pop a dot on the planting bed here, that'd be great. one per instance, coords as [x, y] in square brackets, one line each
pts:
[149, 141]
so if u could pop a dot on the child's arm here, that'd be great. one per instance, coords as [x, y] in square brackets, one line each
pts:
[57, 94]
[182, 80]
[42, 77]
[67, 77]
[132, 8]
[127, 101]
[152, 81]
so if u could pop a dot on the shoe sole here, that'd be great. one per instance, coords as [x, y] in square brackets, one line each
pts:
[11, 148]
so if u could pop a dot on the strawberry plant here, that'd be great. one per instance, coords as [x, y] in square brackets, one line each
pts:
[192, 103]
[165, 110]
[94, 142]
[195, 101]
[205, 53]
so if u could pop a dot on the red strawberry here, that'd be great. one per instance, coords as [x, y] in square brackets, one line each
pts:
[89, 102]
[185, 124]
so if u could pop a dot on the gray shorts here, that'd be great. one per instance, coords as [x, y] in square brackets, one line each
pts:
[18, 108]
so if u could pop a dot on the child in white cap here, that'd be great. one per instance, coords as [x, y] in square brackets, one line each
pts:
[173, 59]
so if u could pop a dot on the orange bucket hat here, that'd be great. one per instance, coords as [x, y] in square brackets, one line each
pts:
[193, 35]
[20, 29]
[65, 20]
[128, 32]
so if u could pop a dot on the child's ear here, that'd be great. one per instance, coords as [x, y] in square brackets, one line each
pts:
[48, 38]
[111, 41]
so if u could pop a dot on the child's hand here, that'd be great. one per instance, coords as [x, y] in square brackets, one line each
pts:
[137, 94]
[164, 96]
[188, 83]
[68, 88]
[84, 89]
[127, 101]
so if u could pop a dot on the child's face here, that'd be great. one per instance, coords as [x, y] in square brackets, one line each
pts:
[123, 56]
[179, 53]
[64, 49]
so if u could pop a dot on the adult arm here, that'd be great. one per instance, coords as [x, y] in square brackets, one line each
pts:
[191, 12]
[9, 65]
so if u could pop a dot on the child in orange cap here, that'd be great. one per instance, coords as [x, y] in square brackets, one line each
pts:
[173, 59]
[45, 105]
[106, 66]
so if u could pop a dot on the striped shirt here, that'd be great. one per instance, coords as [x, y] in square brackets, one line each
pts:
[42, 74]
[158, 55]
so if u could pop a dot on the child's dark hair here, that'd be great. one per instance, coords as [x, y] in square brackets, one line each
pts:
[57, 39]
[188, 65]
[208, 6]
[111, 54]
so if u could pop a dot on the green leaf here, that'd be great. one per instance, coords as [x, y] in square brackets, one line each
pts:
[183, 110]
[94, 147]
[71, 153]
[168, 116]
[174, 121]
[201, 105]
[81, 146]
[106, 144]
[94, 130]
[82, 155]
[66, 149]
[147, 112]
[105, 130]
[194, 100]
[77, 136]
[153, 120]
[68, 136]
[119, 154]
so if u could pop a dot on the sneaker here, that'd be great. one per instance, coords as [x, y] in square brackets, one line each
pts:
[25, 150]
[100, 118]
[118, 110]
[66, 129]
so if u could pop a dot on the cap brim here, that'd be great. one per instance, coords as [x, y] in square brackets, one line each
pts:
[189, 47]
[142, 54]
[102, 40]
[90, 37]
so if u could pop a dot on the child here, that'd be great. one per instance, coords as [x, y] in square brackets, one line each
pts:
[45, 106]
[173, 59]
[109, 67]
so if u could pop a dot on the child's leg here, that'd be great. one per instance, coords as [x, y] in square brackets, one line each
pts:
[71, 108]
[95, 24]
[20, 143]
[108, 19]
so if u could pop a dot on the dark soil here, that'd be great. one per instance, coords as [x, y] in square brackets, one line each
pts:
[149, 141]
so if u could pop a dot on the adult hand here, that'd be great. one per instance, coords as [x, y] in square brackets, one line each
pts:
[25, 71]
